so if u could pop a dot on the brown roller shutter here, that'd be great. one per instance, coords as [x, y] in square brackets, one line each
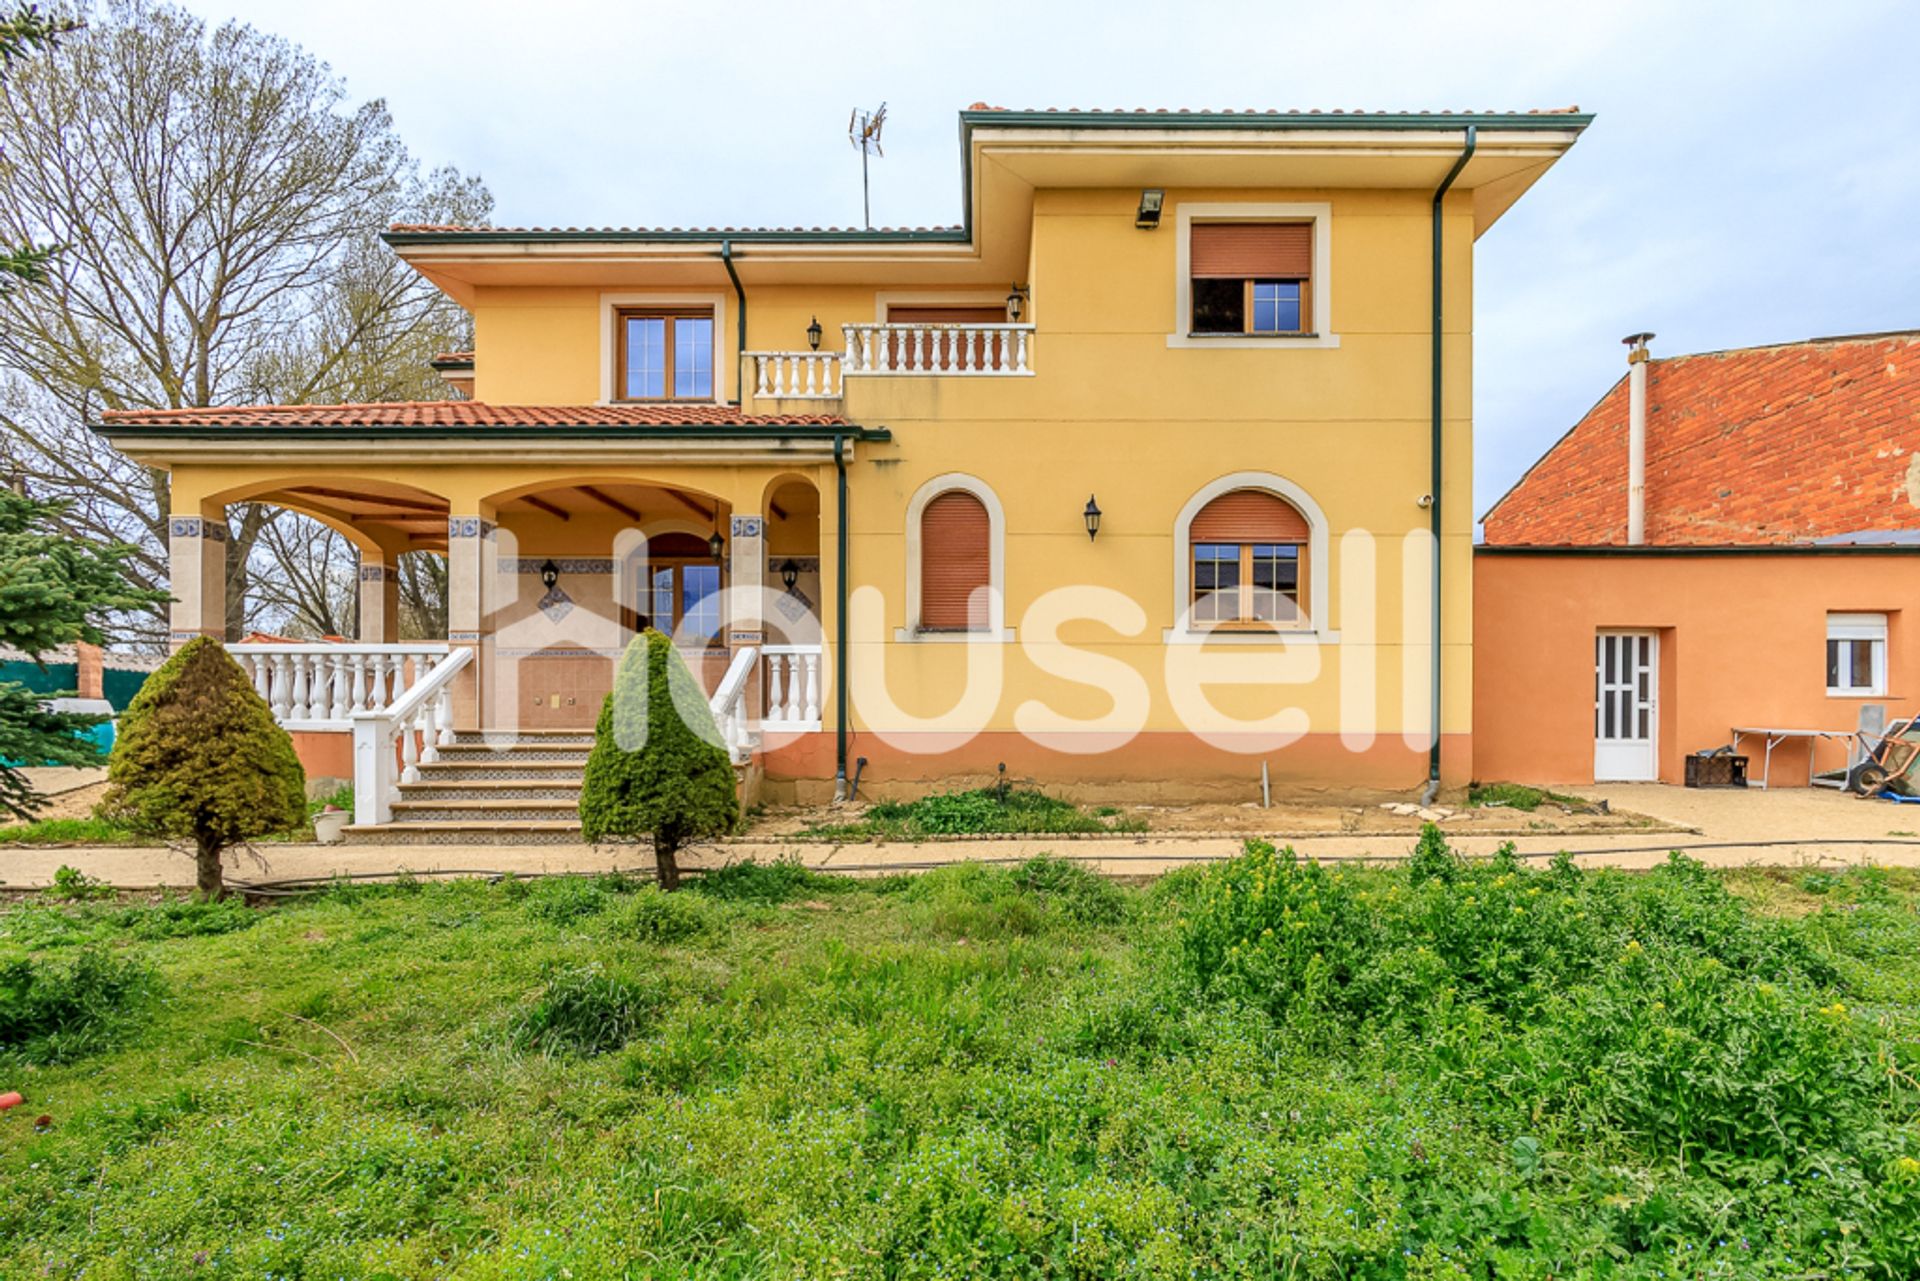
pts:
[1252, 250]
[1249, 516]
[955, 559]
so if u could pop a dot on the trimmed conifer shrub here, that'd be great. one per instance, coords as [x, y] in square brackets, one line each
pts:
[199, 758]
[657, 768]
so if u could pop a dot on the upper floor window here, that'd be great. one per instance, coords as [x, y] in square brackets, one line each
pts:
[664, 355]
[1251, 277]
[1856, 654]
[1249, 555]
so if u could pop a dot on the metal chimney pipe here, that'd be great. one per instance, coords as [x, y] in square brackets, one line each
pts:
[1637, 358]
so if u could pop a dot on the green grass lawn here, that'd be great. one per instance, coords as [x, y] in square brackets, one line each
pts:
[986, 811]
[1259, 1069]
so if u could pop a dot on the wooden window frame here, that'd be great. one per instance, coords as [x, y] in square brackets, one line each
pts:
[644, 571]
[1243, 620]
[621, 315]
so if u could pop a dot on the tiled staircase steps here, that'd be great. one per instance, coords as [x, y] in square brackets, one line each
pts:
[491, 789]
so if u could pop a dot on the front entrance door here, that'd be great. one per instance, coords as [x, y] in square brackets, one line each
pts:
[1626, 678]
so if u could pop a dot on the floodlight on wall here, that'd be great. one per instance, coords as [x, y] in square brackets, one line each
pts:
[1151, 202]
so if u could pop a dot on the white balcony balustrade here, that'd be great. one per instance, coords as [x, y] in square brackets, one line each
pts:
[796, 375]
[986, 351]
[320, 686]
[791, 680]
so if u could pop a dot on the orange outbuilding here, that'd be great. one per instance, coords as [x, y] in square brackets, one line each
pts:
[1724, 550]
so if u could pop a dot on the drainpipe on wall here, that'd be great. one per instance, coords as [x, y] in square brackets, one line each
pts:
[1436, 446]
[1637, 437]
[840, 629]
[740, 323]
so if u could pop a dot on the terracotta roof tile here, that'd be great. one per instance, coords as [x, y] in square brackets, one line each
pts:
[452, 358]
[463, 413]
[1782, 444]
[447, 228]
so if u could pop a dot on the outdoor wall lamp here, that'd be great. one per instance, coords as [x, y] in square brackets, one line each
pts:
[1016, 299]
[1093, 517]
[813, 335]
[716, 545]
[549, 574]
[789, 574]
[1151, 201]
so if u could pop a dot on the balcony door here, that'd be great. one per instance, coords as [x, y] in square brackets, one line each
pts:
[904, 353]
[1626, 721]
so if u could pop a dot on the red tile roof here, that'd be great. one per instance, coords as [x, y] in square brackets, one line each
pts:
[448, 228]
[1266, 111]
[1793, 443]
[452, 358]
[463, 413]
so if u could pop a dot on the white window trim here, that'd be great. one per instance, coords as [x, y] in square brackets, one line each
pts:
[1320, 289]
[1866, 627]
[610, 306]
[997, 632]
[885, 298]
[1319, 591]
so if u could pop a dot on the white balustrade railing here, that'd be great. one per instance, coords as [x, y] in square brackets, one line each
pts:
[320, 686]
[792, 684]
[391, 743]
[974, 350]
[797, 375]
[729, 704]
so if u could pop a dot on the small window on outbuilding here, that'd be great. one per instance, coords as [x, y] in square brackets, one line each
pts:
[1856, 655]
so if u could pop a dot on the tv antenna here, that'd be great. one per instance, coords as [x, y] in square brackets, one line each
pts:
[863, 131]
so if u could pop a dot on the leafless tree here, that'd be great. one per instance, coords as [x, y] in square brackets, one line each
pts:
[218, 201]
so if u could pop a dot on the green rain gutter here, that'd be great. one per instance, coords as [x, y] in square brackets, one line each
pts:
[740, 327]
[1436, 450]
[840, 629]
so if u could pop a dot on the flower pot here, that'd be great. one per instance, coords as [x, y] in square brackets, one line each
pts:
[329, 825]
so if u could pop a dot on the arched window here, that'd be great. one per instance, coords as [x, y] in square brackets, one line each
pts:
[1251, 555]
[1249, 549]
[956, 564]
[956, 547]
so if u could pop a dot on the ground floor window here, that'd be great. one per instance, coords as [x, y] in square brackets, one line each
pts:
[1856, 654]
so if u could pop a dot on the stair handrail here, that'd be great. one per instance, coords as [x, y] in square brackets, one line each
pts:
[729, 704]
[421, 720]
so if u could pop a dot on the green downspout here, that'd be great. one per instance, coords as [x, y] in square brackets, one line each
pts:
[740, 324]
[840, 630]
[1436, 447]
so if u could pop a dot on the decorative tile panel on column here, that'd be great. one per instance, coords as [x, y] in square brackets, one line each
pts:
[197, 572]
[746, 563]
[379, 603]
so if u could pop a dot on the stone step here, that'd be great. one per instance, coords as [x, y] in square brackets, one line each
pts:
[477, 771]
[566, 788]
[476, 832]
[475, 811]
[571, 753]
[481, 738]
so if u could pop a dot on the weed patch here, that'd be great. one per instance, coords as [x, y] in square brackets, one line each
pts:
[983, 812]
[584, 1011]
[52, 1012]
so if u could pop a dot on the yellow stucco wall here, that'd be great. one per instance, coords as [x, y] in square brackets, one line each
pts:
[1112, 410]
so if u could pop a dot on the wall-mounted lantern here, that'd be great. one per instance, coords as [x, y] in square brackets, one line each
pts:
[549, 574]
[1092, 515]
[789, 574]
[1016, 303]
[1151, 201]
[813, 335]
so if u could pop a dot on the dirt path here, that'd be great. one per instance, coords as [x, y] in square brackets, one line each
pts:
[1786, 827]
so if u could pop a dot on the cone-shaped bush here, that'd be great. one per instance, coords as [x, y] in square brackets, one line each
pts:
[198, 757]
[658, 768]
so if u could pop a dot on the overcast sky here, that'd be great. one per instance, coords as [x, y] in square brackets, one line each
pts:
[1753, 176]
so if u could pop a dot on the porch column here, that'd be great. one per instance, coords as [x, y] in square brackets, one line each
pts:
[470, 569]
[197, 574]
[379, 600]
[746, 570]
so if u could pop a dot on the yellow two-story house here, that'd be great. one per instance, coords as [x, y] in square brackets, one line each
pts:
[1152, 476]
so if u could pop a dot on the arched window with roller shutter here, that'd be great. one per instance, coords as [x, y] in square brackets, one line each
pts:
[1252, 557]
[955, 559]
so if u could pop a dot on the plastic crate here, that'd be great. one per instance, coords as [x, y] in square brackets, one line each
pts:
[1716, 771]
